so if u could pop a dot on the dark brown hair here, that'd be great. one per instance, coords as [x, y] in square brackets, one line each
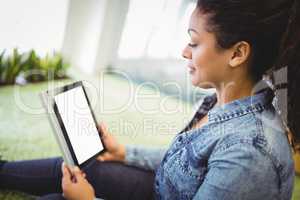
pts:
[272, 28]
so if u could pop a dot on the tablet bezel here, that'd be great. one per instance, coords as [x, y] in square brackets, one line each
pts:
[63, 129]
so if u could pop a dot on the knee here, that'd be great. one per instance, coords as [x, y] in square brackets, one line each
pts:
[102, 169]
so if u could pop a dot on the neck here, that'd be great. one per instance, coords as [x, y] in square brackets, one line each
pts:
[234, 90]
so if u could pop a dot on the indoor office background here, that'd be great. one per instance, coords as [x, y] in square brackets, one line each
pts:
[128, 52]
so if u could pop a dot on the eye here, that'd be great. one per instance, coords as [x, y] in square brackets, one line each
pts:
[192, 45]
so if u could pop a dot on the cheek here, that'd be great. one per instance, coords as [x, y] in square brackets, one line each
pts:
[204, 62]
[210, 68]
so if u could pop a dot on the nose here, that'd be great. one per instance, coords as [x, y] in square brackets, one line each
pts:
[186, 52]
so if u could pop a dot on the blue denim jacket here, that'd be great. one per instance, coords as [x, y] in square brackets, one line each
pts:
[242, 153]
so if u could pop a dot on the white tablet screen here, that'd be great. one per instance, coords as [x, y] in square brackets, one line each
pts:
[79, 123]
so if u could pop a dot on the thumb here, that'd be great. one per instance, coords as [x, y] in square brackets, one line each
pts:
[66, 174]
[78, 174]
[65, 170]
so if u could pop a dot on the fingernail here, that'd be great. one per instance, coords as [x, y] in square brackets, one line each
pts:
[76, 168]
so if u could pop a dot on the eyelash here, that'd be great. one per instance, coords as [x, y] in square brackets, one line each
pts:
[192, 45]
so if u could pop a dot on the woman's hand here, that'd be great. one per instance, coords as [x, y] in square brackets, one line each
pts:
[76, 187]
[114, 150]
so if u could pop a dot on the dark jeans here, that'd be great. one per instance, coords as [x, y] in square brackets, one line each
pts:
[111, 180]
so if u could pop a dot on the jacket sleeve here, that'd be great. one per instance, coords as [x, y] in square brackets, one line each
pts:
[144, 157]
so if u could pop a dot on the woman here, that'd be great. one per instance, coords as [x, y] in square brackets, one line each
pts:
[236, 146]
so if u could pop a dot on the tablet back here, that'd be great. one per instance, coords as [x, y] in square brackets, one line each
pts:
[47, 98]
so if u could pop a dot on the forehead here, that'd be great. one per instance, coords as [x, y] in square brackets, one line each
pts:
[198, 21]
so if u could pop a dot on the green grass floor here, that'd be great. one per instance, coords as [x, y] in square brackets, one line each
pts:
[25, 132]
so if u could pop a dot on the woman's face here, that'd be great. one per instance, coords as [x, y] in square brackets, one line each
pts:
[207, 64]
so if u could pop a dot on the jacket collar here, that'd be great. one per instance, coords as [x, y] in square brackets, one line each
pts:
[255, 103]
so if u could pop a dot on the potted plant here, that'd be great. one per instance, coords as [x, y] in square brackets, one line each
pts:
[29, 67]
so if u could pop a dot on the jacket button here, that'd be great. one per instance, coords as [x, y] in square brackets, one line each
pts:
[156, 183]
[179, 138]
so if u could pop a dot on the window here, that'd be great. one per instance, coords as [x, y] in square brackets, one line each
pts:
[33, 24]
[155, 29]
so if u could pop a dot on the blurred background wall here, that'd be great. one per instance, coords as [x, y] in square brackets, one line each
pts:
[141, 38]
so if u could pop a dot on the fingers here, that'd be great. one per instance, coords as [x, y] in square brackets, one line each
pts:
[69, 172]
[103, 130]
[79, 175]
[106, 156]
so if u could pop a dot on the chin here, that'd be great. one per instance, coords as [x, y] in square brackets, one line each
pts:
[205, 85]
[202, 84]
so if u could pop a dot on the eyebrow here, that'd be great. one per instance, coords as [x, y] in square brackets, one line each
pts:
[191, 29]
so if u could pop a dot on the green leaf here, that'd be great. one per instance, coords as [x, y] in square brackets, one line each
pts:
[2, 66]
[32, 66]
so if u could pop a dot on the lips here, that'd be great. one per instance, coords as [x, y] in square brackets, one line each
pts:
[191, 68]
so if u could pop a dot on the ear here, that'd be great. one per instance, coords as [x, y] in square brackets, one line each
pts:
[240, 53]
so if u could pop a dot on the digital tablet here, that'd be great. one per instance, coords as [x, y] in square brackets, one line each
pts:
[74, 123]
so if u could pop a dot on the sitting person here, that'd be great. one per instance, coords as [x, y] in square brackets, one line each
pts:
[235, 147]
